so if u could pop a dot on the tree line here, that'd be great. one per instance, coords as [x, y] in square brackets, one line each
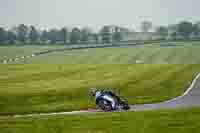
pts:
[111, 33]
[182, 30]
[30, 34]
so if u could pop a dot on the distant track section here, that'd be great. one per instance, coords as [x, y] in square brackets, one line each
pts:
[90, 46]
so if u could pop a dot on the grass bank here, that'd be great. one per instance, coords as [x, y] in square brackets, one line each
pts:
[161, 121]
[51, 88]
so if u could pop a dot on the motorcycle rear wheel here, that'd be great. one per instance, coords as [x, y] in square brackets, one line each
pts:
[105, 105]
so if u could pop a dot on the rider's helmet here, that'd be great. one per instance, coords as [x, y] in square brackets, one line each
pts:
[92, 91]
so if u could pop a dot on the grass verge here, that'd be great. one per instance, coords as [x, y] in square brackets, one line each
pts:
[53, 88]
[161, 121]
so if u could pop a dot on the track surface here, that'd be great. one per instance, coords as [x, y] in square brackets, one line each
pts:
[190, 98]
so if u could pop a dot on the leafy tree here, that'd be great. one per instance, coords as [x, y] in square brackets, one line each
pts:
[85, 33]
[64, 35]
[196, 29]
[163, 31]
[105, 34]
[172, 31]
[185, 29]
[96, 37]
[75, 35]
[33, 35]
[2, 35]
[146, 26]
[117, 35]
[52, 35]
[22, 32]
[174, 35]
[11, 37]
[44, 36]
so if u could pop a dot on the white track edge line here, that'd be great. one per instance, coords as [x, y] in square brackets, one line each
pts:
[50, 114]
[186, 92]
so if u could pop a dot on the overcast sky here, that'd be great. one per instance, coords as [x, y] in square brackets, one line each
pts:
[95, 13]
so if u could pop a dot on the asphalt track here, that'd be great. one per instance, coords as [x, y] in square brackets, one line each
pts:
[191, 98]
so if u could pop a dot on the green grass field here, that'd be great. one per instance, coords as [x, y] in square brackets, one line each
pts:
[148, 54]
[50, 88]
[161, 121]
[60, 81]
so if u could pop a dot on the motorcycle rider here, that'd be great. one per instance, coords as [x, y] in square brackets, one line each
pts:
[107, 95]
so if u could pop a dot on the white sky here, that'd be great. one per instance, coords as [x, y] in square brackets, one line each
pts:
[95, 13]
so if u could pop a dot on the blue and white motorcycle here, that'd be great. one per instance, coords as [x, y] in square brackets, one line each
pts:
[107, 100]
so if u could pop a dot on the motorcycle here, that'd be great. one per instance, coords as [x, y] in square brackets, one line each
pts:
[121, 104]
